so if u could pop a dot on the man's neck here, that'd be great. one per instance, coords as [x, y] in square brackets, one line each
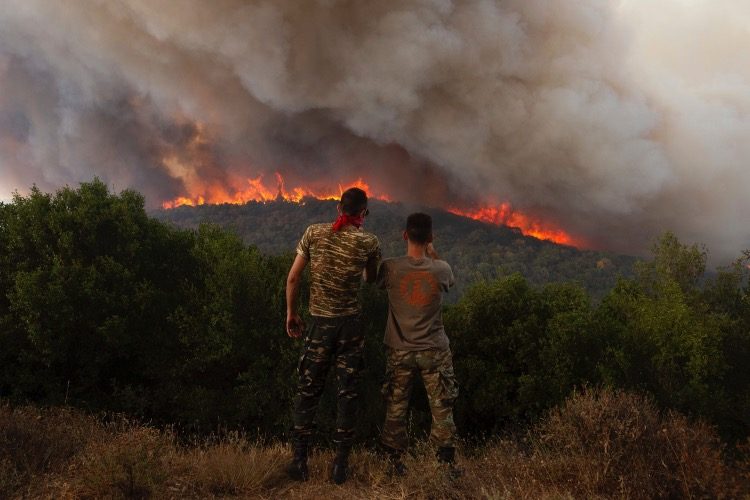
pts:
[416, 251]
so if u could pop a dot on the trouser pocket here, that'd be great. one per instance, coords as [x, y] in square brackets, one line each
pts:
[305, 346]
[448, 382]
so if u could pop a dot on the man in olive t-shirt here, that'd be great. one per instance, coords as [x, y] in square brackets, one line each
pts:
[338, 254]
[416, 342]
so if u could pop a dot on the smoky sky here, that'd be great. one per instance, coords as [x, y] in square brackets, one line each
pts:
[614, 119]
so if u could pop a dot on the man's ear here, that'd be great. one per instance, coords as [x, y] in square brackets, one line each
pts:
[406, 236]
[430, 238]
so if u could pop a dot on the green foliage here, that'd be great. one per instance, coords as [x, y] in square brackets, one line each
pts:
[661, 345]
[518, 349]
[86, 280]
[105, 307]
[684, 344]
[673, 262]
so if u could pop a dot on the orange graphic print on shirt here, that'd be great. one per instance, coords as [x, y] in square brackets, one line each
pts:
[418, 288]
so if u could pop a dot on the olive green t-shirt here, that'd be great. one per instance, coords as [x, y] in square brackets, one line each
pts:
[337, 260]
[415, 288]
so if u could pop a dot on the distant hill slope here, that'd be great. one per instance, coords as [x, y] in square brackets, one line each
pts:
[475, 249]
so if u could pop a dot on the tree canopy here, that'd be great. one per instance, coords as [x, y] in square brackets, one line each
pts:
[107, 308]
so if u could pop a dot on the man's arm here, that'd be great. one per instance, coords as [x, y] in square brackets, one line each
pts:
[382, 280]
[294, 324]
[431, 252]
[371, 270]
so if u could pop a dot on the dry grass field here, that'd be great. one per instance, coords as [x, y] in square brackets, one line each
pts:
[599, 444]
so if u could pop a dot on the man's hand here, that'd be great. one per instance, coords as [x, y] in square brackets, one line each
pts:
[430, 251]
[294, 325]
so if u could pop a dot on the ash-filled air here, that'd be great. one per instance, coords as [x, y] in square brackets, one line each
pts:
[614, 120]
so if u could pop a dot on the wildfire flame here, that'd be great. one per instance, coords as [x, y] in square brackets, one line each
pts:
[505, 215]
[255, 189]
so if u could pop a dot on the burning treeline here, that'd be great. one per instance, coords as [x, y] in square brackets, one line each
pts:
[256, 189]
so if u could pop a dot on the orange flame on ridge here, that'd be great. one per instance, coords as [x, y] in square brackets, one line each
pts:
[254, 189]
[504, 215]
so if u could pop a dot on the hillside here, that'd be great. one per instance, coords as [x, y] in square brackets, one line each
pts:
[476, 250]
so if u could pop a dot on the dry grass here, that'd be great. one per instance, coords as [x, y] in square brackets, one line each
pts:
[36, 442]
[230, 467]
[610, 444]
[599, 444]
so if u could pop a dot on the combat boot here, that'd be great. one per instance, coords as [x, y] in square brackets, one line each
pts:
[297, 470]
[340, 470]
[447, 455]
[396, 466]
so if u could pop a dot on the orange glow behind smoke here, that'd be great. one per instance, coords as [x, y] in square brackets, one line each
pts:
[529, 226]
[259, 191]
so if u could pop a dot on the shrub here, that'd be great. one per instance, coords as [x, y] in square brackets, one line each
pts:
[612, 443]
[131, 463]
[231, 466]
[36, 442]
[519, 350]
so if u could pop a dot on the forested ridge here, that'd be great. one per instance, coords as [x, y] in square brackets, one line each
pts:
[476, 250]
[104, 307]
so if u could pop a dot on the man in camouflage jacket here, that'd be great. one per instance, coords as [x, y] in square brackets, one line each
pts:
[338, 256]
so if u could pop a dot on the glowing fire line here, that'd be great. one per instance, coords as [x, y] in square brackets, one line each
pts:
[504, 215]
[256, 190]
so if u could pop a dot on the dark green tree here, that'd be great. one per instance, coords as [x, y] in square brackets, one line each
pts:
[518, 349]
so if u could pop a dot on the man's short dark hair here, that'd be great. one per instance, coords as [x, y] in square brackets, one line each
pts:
[419, 228]
[353, 201]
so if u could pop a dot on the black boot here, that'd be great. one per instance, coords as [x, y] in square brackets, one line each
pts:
[447, 455]
[340, 470]
[297, 470]
[396, 466]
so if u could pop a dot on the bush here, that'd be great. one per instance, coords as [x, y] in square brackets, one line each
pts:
[611, 443]
[37, 442]
[232, 466]
[131, 463]
[519, 350]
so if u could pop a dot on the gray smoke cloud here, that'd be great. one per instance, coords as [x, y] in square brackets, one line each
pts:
[614, 120]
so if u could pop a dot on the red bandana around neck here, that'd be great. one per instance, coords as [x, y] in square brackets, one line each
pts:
[344, 219]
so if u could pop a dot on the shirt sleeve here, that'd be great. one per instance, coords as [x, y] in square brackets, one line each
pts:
[303, 247]
[375, 252]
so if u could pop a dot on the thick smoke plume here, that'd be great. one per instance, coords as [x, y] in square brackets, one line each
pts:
[615, 120]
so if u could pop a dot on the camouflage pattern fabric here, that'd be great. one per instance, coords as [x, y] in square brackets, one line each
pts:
[337, 341]
[436, 368]
[337, 260]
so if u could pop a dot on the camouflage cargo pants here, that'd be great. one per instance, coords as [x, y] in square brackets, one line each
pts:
[436, 368]
[337, 341]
